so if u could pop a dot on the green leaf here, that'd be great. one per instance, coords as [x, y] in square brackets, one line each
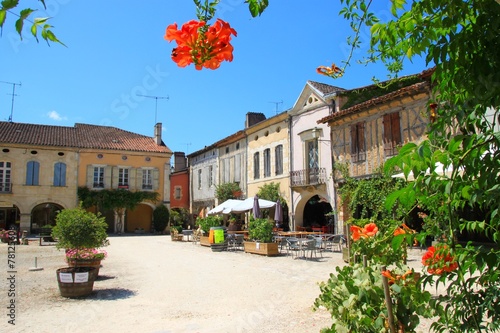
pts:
[397, 241]
[9, 4]
[3, 15]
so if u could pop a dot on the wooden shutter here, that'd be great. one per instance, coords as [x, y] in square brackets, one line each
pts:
[90, 176]
[156, 179]
[354, 143]
[396, 132]
[107, 177]
[114, 176]
[132, 180]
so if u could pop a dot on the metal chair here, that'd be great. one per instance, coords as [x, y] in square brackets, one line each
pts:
[293, 246]
[335, 241]
[311, 247]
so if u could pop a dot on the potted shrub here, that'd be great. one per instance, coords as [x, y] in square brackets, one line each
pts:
[205, 224]
[260, 233]
[78, 232]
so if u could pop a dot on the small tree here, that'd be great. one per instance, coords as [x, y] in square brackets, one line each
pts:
[227, 191]
[78, 229]
[161, 216]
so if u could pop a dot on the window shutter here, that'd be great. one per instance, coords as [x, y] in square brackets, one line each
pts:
[90, 176]
[114, 177]
[36, 173]
[156, 179]
[57, 175]
[62, 181]
[29, 173]
[396, 132]
[361, 143]
[387, 135]
[138, 179]
[107, 177]
[354, 143]
[133, 179]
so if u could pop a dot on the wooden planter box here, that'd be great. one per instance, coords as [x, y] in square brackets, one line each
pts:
[204, 241]
[268, 249]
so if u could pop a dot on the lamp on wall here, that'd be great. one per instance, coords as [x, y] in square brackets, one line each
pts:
[316, 134]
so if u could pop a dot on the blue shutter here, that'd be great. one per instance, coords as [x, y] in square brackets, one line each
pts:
[29, 173]
[57, 174]
[62, 180]
[36, 171]
[60, 174]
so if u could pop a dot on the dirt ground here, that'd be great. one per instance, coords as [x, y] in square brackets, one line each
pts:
[151, 284]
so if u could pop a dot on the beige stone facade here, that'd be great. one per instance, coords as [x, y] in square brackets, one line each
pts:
[41, 168]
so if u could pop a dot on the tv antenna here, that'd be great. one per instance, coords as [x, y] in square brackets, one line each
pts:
[13, 96]
[276, 103]
[156, 101]
[187, 147]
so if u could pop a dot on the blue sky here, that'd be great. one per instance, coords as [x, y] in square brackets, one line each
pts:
[116, 51]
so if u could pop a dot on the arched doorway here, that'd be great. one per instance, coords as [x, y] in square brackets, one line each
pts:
[314, 214]
[9, 217]
[44, 215]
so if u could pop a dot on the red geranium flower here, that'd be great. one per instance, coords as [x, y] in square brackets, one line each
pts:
[205, 47]
[439, 260]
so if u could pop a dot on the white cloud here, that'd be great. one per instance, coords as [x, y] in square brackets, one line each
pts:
[56, 116]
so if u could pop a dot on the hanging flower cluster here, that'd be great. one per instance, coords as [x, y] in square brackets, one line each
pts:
[86, 254]
[393, 278]
[334, 71]
[369, 230]
[439, 260]
[404, 229]
[200, 44]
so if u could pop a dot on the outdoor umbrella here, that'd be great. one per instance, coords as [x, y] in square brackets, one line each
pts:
[256, 207]
[278, 213]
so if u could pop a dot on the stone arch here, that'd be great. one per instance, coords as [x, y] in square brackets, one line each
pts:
[44, 214]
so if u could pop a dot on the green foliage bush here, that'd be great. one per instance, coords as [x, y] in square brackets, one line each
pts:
[78, 229]
[161, 216]
[207, 222]
[261, 230]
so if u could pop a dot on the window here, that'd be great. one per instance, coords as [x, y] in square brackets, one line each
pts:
[256, 162]
[210, 175]
[312, 161]
[123, 178]
[358, 148]
[5, 185]
[98, 181]
[147, 179]
[278, 156]
[177, 193]
[392, 134]
[267, 162]
[60, 174]
[199, 179]
[32, 173]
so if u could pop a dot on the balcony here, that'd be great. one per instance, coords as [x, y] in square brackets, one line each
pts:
[5, 187]
[307, 177]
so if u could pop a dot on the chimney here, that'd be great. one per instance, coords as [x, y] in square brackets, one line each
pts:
[180, 161]
[158, 134]
[254, 118]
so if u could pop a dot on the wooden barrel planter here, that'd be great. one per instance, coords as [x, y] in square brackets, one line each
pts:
[76, 281]
[96, 263]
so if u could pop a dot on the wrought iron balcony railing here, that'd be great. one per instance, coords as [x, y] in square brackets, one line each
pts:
[313, 176]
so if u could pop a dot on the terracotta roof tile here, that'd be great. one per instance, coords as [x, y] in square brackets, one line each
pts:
[325, 89]
[406, 91]
[79, 136]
